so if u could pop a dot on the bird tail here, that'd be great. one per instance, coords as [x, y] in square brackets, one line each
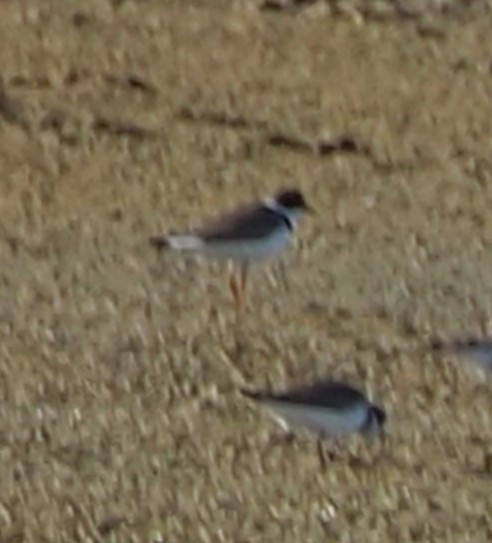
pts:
[257, 395]
[442, 346]
[177, 242]
[438, 345]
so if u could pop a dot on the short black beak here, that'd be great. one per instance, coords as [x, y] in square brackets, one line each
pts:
[309, 209]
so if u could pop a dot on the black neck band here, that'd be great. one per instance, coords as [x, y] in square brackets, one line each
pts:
[285, 218]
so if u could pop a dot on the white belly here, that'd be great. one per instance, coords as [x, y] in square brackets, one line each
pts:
[249, 250]
[482, 357]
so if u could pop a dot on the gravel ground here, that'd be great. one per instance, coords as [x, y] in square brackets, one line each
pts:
[120, 418]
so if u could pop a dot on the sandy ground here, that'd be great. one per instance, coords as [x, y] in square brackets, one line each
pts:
[120, 418]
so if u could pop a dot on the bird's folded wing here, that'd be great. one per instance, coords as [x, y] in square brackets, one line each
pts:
[248, 223]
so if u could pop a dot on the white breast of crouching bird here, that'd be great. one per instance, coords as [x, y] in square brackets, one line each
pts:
[478, 352]
[323, 420]
[481, 354]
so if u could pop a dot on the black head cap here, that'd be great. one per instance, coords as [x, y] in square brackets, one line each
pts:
[291, 199]
[380, 415]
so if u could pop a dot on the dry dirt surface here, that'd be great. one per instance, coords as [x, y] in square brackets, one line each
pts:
[120, 417]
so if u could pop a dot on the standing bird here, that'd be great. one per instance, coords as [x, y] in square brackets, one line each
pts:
[331, 409]
[245, 235]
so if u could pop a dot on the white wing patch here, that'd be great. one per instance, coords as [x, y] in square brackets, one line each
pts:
[185, 243]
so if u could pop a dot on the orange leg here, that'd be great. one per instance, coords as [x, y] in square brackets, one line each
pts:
[323, 457]
[235, 289]
[326, 452]
[243, 274]
[237, 284]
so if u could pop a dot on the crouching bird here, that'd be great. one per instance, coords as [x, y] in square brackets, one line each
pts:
[331, 409]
